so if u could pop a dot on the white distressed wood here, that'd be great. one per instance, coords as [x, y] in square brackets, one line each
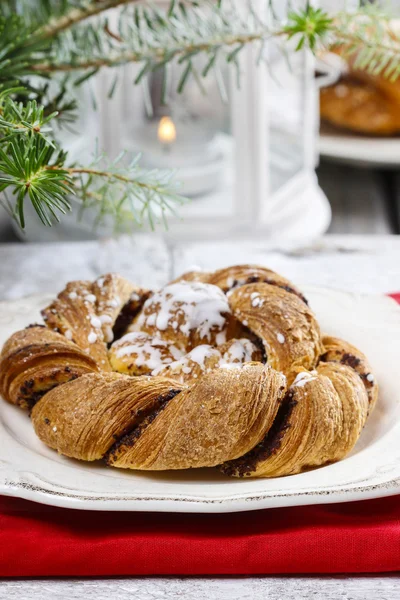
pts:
[234, 588]
[368, 264]
[29, 269]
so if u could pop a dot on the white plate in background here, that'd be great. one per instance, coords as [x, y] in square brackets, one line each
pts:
[359, 150]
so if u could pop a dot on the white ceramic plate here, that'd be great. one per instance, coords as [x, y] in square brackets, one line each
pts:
[30, 470]
[359, 150]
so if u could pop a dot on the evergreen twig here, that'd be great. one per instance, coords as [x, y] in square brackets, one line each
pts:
[55, 26]
[59, 36]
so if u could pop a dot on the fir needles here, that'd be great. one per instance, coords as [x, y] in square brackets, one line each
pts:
[41, 39]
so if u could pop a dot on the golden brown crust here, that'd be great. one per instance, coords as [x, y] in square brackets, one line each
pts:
[86, 312]
[320, 421]
[361, 107]
[138, 353]
[99, 415]
[35, 360]
[236, 276]
[112, 293]
[202, 276]
[187, 314]
[206, 358]
[337, 350]
[362, 102]
[197, 394]
[222, 414]
[72, 313]
[84, 418]
[286, 326]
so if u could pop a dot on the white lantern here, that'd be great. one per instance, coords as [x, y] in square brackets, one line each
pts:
[255, 176]
[248, 165]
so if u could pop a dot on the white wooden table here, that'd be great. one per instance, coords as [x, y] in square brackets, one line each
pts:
[369, 264]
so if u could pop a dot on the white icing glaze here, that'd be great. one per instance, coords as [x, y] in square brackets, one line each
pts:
[73, 295]
[281, 338]
[90, 298]
[92, 337]
[68, 334]
[231, 366]
[370, 377]
[197, 356]
[114, 302]
[145, 351]
[303, 378]
[105, 319]
[220, 338]
[95, 322]
[239, 351]
[202, 306]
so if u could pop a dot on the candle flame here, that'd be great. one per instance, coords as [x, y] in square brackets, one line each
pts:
[166, 131]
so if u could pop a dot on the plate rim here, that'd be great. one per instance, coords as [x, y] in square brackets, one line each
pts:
[16, 482]
[345, 147]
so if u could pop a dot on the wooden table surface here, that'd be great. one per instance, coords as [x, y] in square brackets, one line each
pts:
[369, 264]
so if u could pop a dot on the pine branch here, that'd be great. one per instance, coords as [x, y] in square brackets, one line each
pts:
[129, 194]
[17, 118]
[30, 168]
[31, 164]
[369, 40]
[76, 15]
[156, 57]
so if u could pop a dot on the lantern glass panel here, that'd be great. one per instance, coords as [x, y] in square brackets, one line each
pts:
[188, 132]
[287, 109]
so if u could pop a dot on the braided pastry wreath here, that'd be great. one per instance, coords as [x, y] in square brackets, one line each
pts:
[224, 369]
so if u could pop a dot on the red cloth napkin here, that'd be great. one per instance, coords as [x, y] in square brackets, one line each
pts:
[358, 537]
[339, 538]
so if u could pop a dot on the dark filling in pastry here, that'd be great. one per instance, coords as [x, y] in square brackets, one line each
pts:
[246, 464]
[30, 401]
[28, 397]
[127, 314]
[257, 279]
[144, 419]
[257, 341]
[349, 360]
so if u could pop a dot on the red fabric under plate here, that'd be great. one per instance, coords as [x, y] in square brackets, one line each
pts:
[337, 538]
[357, 537]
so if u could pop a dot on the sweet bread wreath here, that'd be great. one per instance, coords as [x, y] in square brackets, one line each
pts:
[225, 369]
